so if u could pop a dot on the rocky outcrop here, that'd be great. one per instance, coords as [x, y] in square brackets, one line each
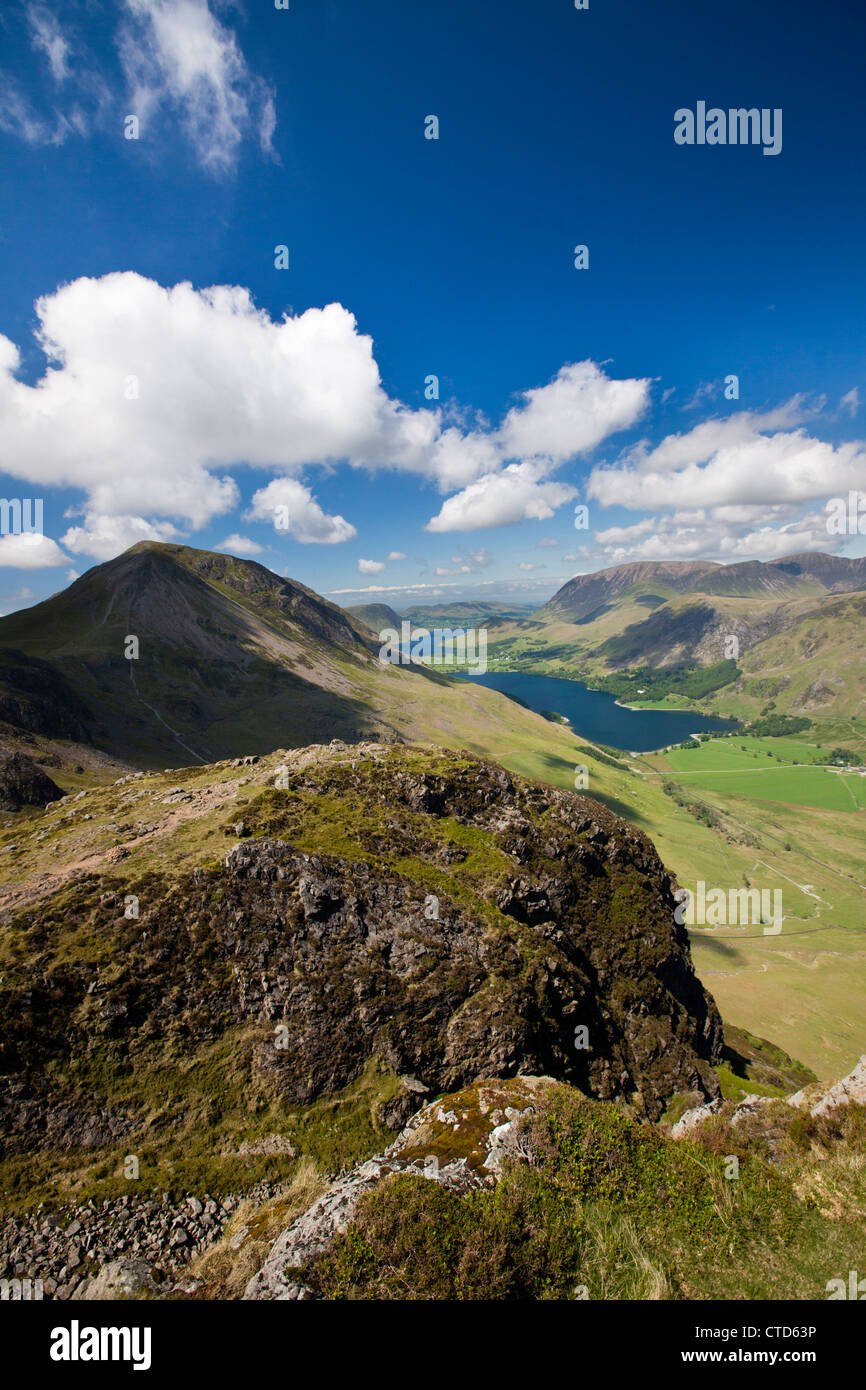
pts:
[821, 691]
[694, 1117]
[819, 1099]
[23, 783]
[551, 949]
[823, 1099]
[34, 1114]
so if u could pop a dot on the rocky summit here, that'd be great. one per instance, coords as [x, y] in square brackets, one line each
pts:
[457, 923]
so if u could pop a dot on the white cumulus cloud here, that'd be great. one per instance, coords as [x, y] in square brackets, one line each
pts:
[240, 545]
[517, 493]
[746, 459]
[30, 551]
[153, 394]
[105, 536]
[754, 534]
[291, 507]
[572, 414]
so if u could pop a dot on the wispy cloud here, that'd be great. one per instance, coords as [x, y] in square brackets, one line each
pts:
[177, 55]
[47, 36]
[179, 67]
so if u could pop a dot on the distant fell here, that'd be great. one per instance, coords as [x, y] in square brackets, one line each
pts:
[797, 576]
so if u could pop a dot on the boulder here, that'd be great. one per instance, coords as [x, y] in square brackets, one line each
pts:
[821, 1100]
[23, 783]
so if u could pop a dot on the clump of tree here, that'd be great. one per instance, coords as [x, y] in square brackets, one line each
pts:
[698, 810]
[777, 725]
[601, 754]
[844, 757]
[647, 683]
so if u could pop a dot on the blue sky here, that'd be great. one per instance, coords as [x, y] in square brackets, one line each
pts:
[137, 402]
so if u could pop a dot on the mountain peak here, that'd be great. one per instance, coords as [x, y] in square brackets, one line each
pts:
[225, 652]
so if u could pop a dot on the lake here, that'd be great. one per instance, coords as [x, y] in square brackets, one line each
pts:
[596, 716]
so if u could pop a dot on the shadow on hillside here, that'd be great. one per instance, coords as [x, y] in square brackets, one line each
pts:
[726, 949]
[223, 710]
[555, 764]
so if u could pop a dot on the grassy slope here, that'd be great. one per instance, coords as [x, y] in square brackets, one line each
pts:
[597, 1207]
[826, 648]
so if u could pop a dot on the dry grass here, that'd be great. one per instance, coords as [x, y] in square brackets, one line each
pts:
[226, 1270]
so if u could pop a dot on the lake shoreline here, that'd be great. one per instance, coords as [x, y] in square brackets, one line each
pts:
[598, 716]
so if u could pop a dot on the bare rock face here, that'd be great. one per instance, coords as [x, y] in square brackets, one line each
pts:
[691, 1118]
[118, 1279]
[22, 783]
[358, 970]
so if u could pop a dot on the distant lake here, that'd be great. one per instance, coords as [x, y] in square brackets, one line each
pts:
[596, 716]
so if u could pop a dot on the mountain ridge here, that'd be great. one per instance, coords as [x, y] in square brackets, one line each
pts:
[748, 578]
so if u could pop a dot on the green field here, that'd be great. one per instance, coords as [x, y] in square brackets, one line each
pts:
[743, 751]
[798, 786]
[766, 769]
[775, 823]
